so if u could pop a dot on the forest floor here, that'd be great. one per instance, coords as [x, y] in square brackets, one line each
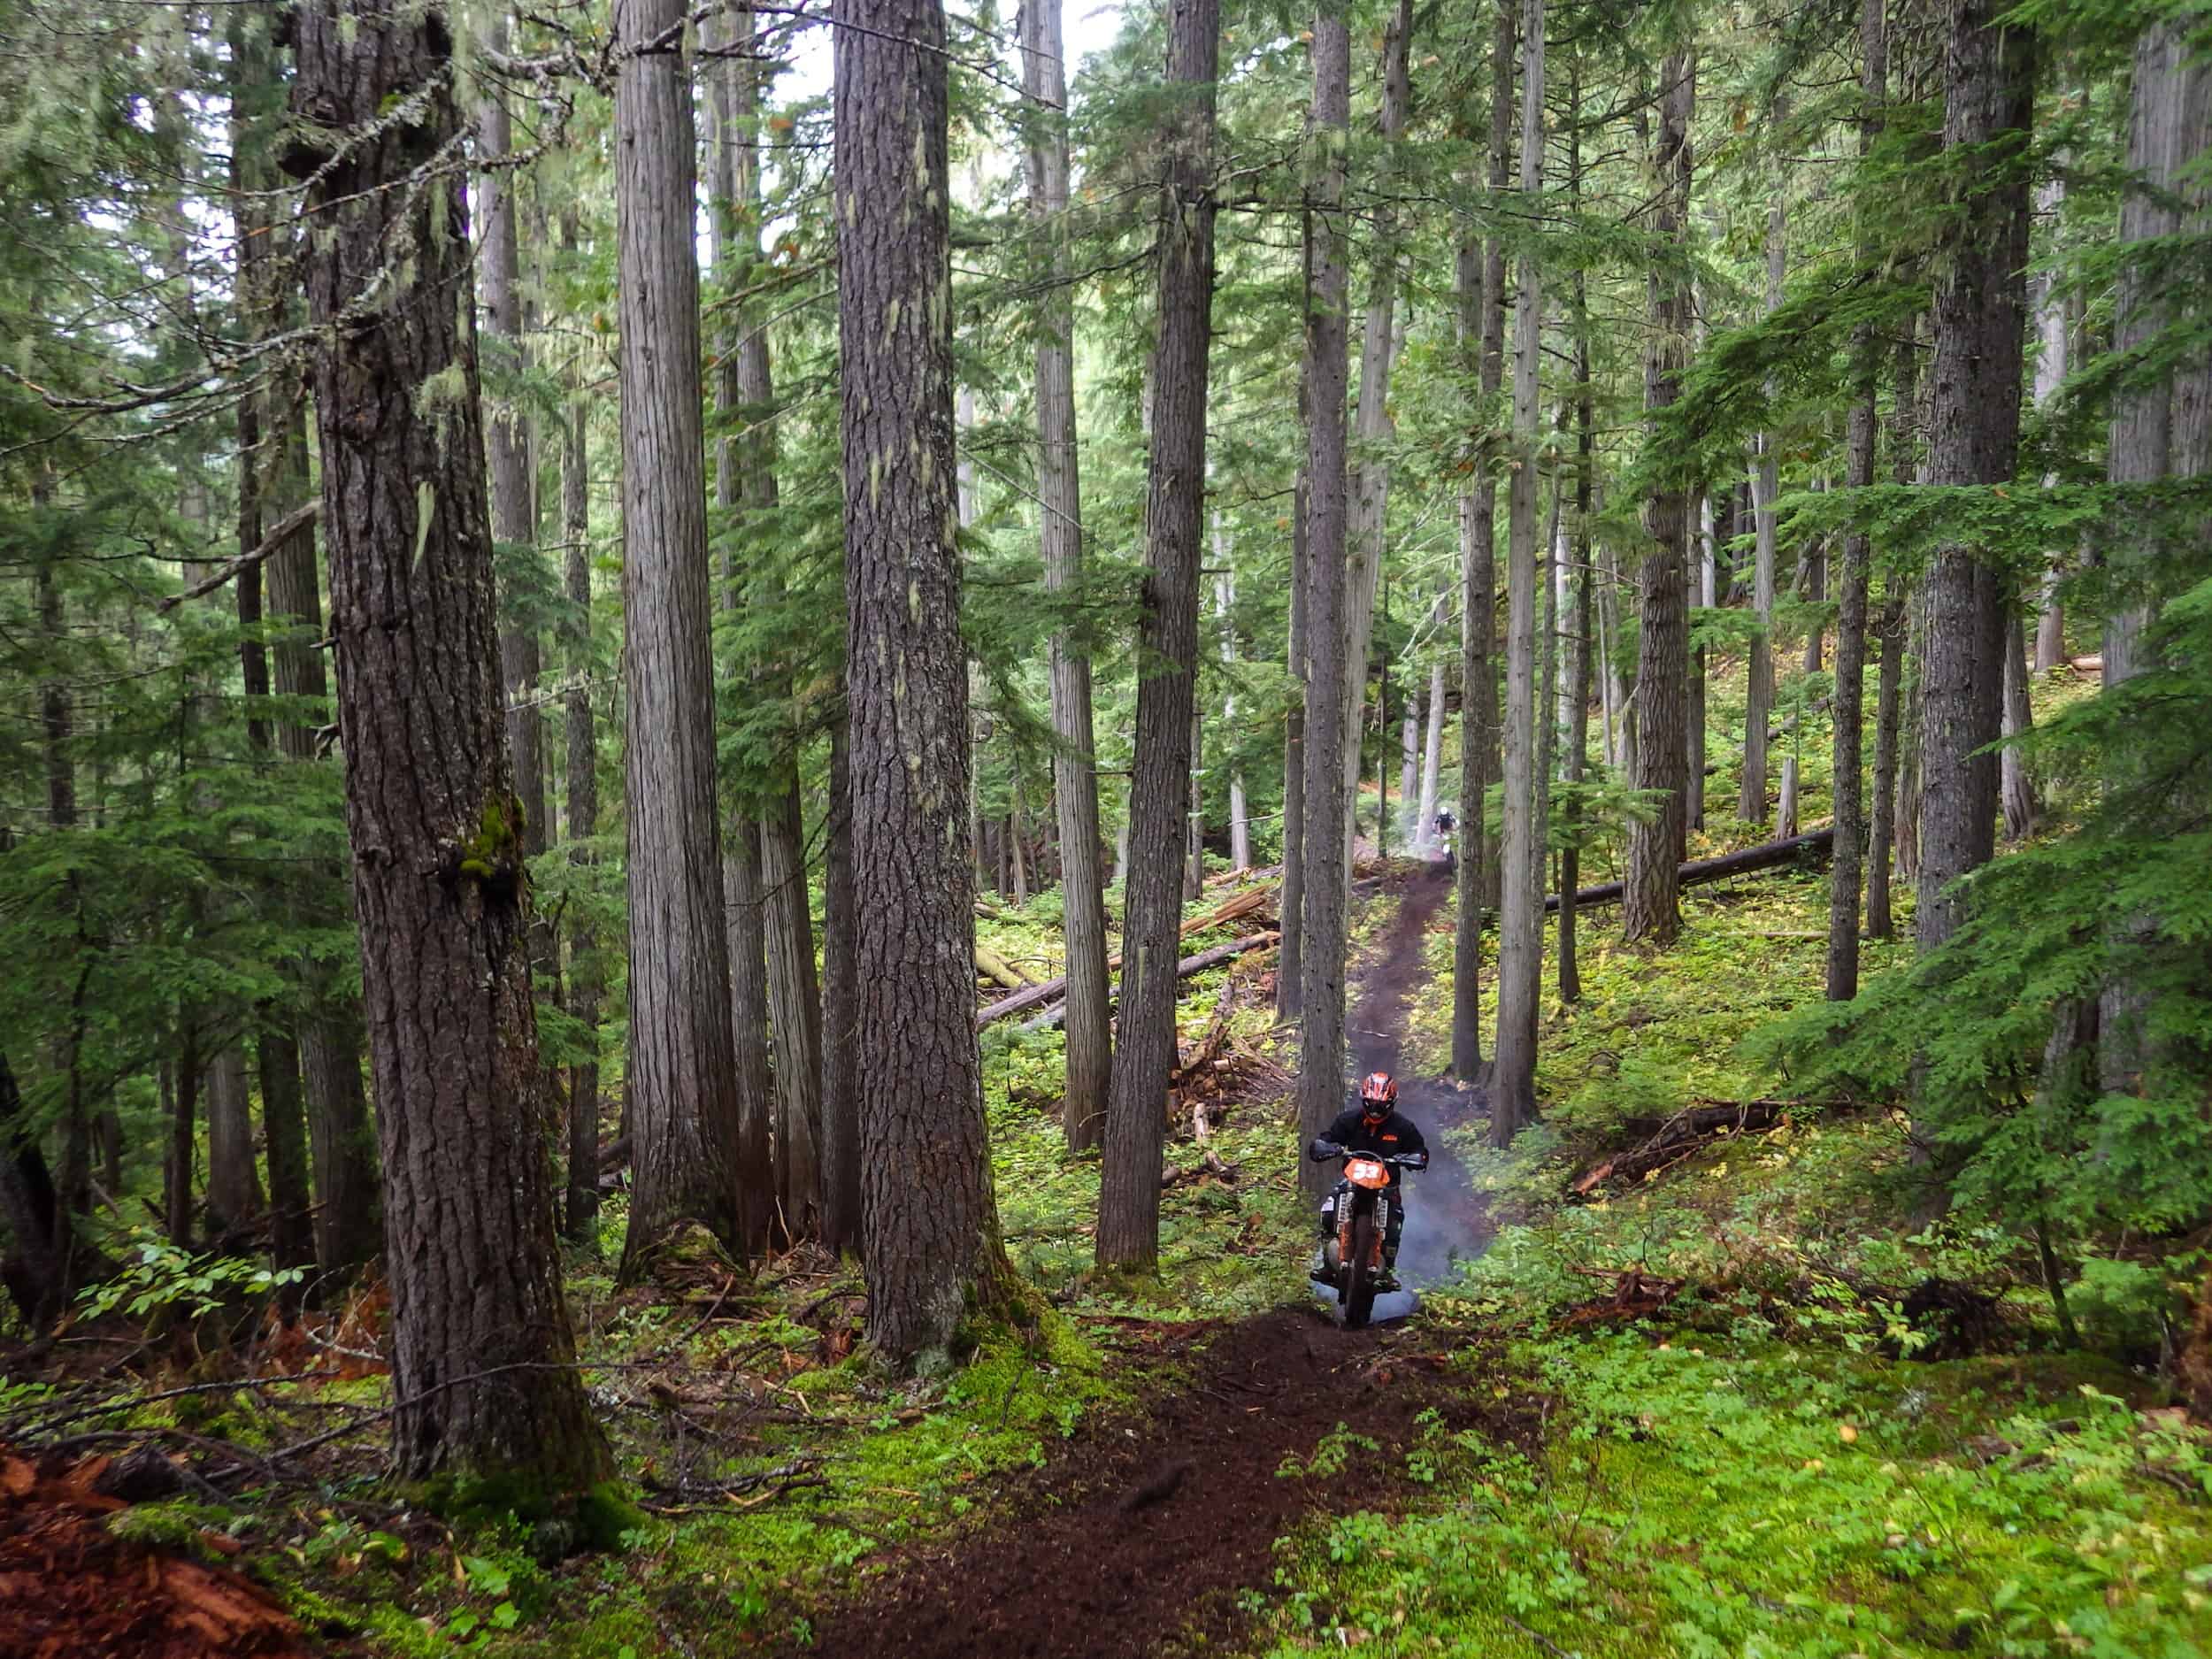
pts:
[1157, 1529]
[1738, 1405]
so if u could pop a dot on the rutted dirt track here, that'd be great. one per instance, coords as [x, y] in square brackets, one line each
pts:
[1136, 1541]
[1138, 1538]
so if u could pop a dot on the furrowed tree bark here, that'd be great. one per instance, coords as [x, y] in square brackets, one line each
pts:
[1060, 530]
[1481, 332]
[1521, 912]
[1129, 1194]
[1847, 785]
[681, 1087]
[481, 1347]
[1652, 912]
[1321, 995]
[929, 1218]
[1974, 425]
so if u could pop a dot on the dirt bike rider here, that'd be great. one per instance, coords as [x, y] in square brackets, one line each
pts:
[1375, 1126]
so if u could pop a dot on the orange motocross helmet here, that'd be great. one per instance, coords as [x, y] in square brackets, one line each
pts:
[1378, 1093]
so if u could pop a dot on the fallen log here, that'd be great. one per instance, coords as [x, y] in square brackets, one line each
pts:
[1244, 904]
[1678, 1136]
[1184, 969]
[998, 969]
[1766, 855]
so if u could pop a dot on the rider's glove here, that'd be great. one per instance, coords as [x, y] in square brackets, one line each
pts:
[1418, 1160]
[1322, 1150]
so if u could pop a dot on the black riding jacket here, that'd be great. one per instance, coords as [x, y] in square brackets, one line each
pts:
[1396, 1137]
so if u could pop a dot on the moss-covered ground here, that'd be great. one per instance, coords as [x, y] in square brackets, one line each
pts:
[1784, 1461]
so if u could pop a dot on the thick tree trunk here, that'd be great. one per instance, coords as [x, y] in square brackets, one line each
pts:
[481, 1347]
[680, 1089]
[841, 1066]
[1368, 506]
[1652, 912]
[1974, 423]
[1129, 1195]
[1321, 1037]
[1060, 526]
[1521, 862]
[929, 1219]
[1481, 333]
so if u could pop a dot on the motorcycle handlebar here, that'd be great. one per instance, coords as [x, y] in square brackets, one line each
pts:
[1324, 1150]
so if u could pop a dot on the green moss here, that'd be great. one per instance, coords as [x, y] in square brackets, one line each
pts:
[174, 1524]
[496, 850]
[605, 1514]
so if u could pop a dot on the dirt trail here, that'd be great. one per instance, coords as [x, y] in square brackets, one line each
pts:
[1446, 1222]
[1139, 1537]
[1137, 1540]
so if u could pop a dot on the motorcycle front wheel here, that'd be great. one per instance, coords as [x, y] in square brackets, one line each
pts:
[1359, 1291]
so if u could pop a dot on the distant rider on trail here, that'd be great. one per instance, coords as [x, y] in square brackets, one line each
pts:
[1377, 1127]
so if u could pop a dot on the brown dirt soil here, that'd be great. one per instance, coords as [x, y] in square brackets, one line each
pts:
[69, 1589]
[1136, 1540]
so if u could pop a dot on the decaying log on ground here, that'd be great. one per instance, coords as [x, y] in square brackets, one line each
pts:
[1678, 1136]
[1749, 861]
[1184, 969]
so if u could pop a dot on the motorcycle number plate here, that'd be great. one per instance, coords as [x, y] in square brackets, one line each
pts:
[1365, 1172]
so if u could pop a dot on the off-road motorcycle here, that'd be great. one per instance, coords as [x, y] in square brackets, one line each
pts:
[1352, 1256]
